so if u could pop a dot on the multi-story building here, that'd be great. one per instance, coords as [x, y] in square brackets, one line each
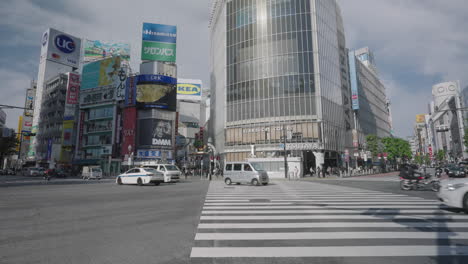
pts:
[279, 74]
[98, 131]
[191, 113]
[464, 98]
[369, 99]
[446, 120]
[55, 136]
[3, 117]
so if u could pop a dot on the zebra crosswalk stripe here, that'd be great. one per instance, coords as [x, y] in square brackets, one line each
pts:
[300, 220]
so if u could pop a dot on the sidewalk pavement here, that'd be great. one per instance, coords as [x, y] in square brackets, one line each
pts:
[337, 177]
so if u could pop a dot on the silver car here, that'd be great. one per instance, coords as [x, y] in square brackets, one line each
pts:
[244, 172]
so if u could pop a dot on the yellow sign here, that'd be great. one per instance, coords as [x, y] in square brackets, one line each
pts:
[420, 118]
[189, 89]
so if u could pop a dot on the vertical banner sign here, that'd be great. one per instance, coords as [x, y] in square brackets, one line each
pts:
[121, 84]
[130, 92]
[73, 88]
[128, 131]
[49, 149]
[353, 80]
[159, 42]
[29, 103]
[72, 96]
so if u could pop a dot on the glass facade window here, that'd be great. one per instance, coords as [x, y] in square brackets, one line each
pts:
[103, 112]
[269, 59]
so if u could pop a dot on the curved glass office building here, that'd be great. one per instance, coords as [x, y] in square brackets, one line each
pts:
[279, 74]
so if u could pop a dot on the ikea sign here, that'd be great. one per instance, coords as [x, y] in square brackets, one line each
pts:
[189, 89]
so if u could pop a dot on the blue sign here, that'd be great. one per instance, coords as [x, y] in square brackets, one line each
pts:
[65, 44]
[154, 78]
[49, 149]
[354, 80]
[159, 33]
[130, 92]
[148, 154]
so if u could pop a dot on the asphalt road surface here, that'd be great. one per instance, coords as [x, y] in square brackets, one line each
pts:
[358, 220]
[98, 222]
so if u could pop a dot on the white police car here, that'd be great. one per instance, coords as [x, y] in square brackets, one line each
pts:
[140, 176]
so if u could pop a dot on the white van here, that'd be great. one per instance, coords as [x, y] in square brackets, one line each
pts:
[244, 172]
[91, 172]
[171, 172]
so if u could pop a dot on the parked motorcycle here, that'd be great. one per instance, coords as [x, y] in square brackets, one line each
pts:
[419, 182]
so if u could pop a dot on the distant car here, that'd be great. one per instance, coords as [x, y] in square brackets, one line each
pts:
[91, 172]
[36, 172]
[57, 173]
[454, 193]
[456, 172]
[140, 176]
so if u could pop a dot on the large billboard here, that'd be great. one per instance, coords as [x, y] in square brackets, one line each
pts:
[61, 48]
[156, 133]
[101, 73]
[128, 131]
[156, 91]
[159, 42]
[189, 90]
[29, 102]
[96, 49]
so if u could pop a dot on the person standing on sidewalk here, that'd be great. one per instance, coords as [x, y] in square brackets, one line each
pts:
[296, 173]
[318, 171]
[312, 172]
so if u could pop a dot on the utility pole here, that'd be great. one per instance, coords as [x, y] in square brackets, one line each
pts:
[284, 149]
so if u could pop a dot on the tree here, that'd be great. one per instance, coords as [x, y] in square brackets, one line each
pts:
[373, 145]
[465, 138]
[396, 148]
[440, 155]
[418, 159]
[8, 146]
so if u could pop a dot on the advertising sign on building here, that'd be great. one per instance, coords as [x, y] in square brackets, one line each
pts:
[420, 119]
[156, 91]
[96, 49]
[67, 134]
[72, 96]
[159, 42]
[156, 133]
[61, 48]
[121, 85]
[27, 124]
[101, 73]
[73, 88]
[95, 96]
[49, 149]
[189, 90]
[355, 138]
[130, 92]
[353, 80]
[29, 102]
[128, 131]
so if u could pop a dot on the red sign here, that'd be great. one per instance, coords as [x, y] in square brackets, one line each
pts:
[73, 88]
[430, 151]
[128, 130]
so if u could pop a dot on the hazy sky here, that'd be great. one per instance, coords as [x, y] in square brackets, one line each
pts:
[416, 43]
